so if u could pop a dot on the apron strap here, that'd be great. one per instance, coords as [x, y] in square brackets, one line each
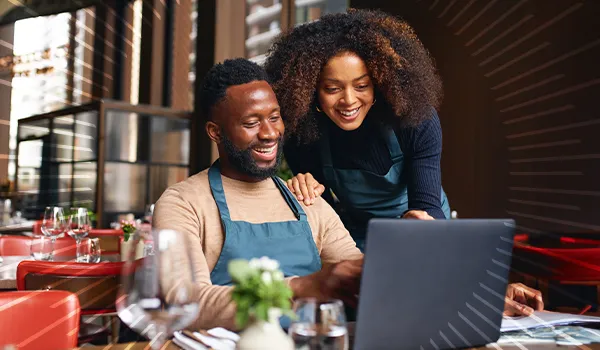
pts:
[289, 199]
[216, 187]
[325, 149]
[391, 140]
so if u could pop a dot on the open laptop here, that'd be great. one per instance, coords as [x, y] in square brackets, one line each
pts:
[433, 284]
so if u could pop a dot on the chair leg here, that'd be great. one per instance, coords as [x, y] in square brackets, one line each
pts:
[598, 298]
[114, 324]
[106, 323]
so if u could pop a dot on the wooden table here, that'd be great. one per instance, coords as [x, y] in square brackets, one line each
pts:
[8, 271]
[26, 226]
[171, 346]
[8, 268]
[351, 327]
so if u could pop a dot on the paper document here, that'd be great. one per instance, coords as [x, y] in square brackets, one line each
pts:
[544, 319]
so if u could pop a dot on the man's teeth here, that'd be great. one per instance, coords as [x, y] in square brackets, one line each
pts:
[349, 113]
[265, 150]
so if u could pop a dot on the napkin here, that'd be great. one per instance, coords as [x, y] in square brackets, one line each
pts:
[213, 339]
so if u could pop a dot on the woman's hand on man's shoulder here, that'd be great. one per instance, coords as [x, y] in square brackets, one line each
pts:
[305, 187]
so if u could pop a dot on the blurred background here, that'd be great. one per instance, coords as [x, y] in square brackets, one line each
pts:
[97, 99]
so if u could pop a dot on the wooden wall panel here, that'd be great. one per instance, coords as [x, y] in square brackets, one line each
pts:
[520, 115]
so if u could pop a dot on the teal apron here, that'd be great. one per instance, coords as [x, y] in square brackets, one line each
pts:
[291, 243]
[364, 195]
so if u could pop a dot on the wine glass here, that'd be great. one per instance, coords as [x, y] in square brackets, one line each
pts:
[79, 227]
[42, 248]
[90, 250]
[54, 223]
[155, 298]
[319, 325]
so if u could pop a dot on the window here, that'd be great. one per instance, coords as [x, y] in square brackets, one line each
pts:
[265, 19]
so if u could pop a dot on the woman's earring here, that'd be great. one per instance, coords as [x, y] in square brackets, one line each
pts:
[318, 110]
[375, 100]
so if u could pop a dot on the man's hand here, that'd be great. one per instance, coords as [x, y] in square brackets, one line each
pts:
[521, 300]
[417, 214]
[337, 281]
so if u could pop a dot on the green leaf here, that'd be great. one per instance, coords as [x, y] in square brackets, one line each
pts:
[241, 319]
[239, 270]
[261, 311]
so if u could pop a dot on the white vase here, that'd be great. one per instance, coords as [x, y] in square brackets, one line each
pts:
[262, 335]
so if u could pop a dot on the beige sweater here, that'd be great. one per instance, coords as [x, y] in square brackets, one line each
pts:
[189, 207]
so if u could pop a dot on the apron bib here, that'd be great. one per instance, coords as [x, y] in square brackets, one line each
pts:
[364, 195]
[291, 243]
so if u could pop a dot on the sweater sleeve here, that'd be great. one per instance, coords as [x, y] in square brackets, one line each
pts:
[174, 212]
[336, 243]
[422, 147]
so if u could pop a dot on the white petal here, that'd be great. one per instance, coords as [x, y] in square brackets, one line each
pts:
[254, 264]
[266, 277]
[278, 276]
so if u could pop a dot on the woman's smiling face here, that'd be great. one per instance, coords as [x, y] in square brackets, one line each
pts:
[345, 90]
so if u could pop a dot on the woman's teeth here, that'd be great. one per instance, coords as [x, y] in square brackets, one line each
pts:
[266, 150]
[349, 113]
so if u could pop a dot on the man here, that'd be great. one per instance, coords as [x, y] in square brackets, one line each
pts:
[238, 209]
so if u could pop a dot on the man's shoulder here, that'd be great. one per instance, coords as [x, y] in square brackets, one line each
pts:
[191, 187]
[320, 210]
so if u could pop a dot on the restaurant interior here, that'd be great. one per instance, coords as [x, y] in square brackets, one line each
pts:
[100, 114]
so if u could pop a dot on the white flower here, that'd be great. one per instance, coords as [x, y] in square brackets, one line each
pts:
[266, 277]
[268, 264]
[254, 264]
[278, 276]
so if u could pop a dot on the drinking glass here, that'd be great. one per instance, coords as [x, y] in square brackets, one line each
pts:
[54, 223]
[42, 248]
[89, 250]
[79, 227]
[155, 298]
[319, 325]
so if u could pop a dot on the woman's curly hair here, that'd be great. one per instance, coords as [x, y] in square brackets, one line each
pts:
[401, 68]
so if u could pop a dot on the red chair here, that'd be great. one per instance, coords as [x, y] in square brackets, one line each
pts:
[39, 320]
[573, 261]
[20, 246]
[109, 240]
[96, 286]
[15, 246]
[37, 227]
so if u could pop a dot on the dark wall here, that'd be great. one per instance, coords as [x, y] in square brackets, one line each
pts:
[520, 119]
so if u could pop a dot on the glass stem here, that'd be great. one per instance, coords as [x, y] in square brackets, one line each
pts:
[53, 240]
[78, 253]
[160, 336]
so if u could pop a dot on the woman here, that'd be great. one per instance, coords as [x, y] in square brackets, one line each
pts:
[358, 92]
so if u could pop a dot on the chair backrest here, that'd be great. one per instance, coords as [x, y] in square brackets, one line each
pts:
[15, 245]
[96, 285]
[39, 319]
[11, 245]
[37, 227]
[574, 260]
[110, 242]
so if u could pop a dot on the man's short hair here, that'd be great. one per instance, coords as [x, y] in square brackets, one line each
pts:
[221, 76]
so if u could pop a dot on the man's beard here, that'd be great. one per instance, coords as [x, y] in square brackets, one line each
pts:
[242, 159]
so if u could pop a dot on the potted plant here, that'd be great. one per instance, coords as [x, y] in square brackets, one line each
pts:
[128, 228]
[261, 296]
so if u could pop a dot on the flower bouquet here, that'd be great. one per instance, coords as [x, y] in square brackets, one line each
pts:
[128, 228]
[261, 295]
